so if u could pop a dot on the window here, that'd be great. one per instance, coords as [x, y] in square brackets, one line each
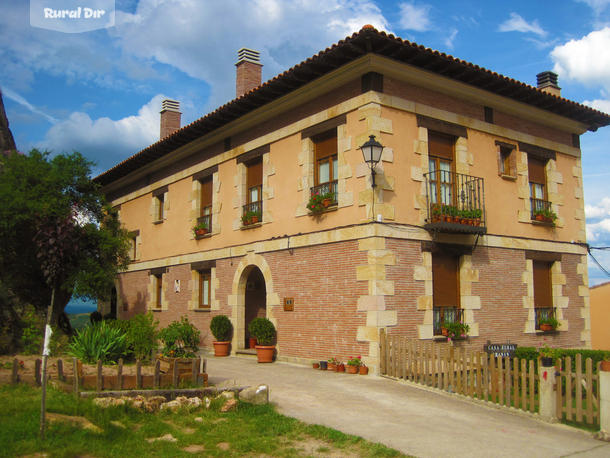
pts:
[440, 158]
[537, 179]
[445, 290]
[133, 245]
[505, 161]
[159, 201]
[326, 165]
[204, 290]
[158, 291]
[543, 296]
[205, 207]
[254, 188]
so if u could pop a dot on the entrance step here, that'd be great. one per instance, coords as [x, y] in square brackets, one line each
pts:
[247, 352]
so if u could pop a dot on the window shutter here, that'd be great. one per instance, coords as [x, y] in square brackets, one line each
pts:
[542, 284]
[445, 281]
[326, 144]
[535, 168]
[255, 174]
[440, 145]
[206, 192]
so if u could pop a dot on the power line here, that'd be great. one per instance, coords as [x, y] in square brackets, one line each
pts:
[589, 248]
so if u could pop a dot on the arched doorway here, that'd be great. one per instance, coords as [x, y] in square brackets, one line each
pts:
[255, 299]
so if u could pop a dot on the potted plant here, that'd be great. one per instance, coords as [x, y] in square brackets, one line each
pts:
[353, 364]
[339, 366]
[264, 331]
[454, 330]
[436, 213]
[255, 216]
[545, 215]
[476, 216]
[547, 355]
[330, 364]
[246, 218]
[327, 199]
[200, 229]
[181, 342]
[220, 327]
[548, 324]
[605, 364]
[315, 204]
[363, 370]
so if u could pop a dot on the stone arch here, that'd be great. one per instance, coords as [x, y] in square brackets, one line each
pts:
[237, 300]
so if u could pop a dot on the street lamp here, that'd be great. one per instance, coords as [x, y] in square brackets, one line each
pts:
[371, 151]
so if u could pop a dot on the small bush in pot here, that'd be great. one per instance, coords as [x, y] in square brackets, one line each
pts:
[181, 339]
[220, 327]
[263, 329]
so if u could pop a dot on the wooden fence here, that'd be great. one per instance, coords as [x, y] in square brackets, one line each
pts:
[504, 381]
[578, 392]
[120, 381]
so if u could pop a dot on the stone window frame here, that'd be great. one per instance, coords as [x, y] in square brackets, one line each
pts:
[307, 161]
[156, 274]
[160, 205]
[135, 252]
[241, 183]
[512, 160]
[195, 198]
[197, 269]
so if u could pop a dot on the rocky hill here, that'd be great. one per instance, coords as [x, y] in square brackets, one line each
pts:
[6, 137]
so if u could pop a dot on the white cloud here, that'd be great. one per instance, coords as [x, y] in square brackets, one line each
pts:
[586, 60]
[602, 209]
[598, 221]
[517, 24]
[601, 105]
[414, 17]
[9, 94]
[597, 5]
[450, 38]
[111, 141]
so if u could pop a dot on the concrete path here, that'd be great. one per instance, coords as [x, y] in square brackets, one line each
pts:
[417, 421]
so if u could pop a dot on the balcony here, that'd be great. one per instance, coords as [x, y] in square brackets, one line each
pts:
[252, 214]
[543, 314]
[541, 211]
[207, 221]
[327, 190]
[448, 314]
[455, 202]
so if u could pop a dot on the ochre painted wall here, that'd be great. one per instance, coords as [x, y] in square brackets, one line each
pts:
[599, 297]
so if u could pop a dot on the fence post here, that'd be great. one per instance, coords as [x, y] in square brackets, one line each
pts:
[604, 400]
[548, 408]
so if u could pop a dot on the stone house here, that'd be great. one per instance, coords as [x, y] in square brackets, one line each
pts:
[443, 227]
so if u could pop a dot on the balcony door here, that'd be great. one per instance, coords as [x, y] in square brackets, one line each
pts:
[440, 161]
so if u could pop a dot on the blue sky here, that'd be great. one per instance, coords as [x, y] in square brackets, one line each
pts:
[100, 92]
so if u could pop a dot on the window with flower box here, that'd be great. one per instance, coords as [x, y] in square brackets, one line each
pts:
[445, 290]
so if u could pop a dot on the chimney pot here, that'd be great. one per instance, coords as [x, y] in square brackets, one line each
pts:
[170, 117]
[249, 71]
[547, 82]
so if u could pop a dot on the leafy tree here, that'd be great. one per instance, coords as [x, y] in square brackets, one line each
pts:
[55, 224]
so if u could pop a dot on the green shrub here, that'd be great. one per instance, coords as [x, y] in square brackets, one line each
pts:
[263, 330]
[142, 335]
[532, 353]
[101, 341]
[180, 339]
[220, 327]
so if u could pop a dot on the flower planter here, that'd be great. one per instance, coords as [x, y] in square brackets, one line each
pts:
[254, 219]
[546, 327]
[364, 370]
[436, 219]
[539, 218]
[323, 365]
[167, 364]
[605, 366]
[331, 366]
[265, 353]
[445, 332]
[353, 369]
[202, 231]
[316, 365]
[326, 203]
[252, 342]
[340, 367]
[221, 349]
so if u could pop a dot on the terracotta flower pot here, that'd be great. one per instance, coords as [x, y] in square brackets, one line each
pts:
[316, 365]
[221, 349]
[254, 219]
[546, 327]
[326, 203]
[340, 367]
[605, 366]
[252, 342]
[353, 369]
[265, 353]
[331, 366]
[364, 370]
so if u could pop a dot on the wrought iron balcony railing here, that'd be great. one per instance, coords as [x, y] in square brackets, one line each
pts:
[456, 202]
[446, 314]
[207, 220]
[252, 213]
[328, 190]
[544, 313]
[539, 207]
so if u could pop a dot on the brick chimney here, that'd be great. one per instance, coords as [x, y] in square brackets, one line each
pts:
[249, 71]
[547, 82]
[170, 117]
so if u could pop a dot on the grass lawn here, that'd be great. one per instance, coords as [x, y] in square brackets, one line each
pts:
[250, 431]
